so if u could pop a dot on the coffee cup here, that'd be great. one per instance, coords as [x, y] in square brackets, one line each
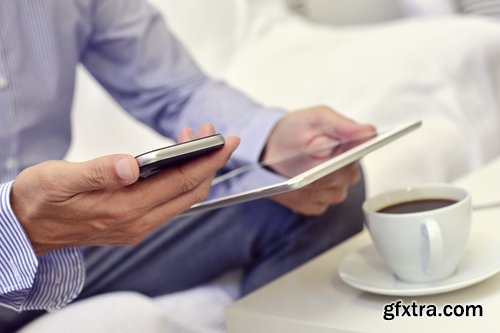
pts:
[422, 231]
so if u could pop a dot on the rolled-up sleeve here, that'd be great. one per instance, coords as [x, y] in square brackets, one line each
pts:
[146, 69]
[28, 282]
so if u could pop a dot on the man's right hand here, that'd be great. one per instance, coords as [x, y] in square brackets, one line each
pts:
[62, 204]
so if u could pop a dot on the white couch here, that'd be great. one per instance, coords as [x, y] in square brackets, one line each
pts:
[442, 70]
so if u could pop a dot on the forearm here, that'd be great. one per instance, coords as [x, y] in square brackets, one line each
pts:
[231, 112]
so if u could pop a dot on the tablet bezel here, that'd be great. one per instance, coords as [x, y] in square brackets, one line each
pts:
[307, 177]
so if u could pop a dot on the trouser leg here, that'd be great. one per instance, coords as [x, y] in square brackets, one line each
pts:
[187, 252]
[309, 237]
[262, 237]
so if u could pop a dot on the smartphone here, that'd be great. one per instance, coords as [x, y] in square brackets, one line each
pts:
[157, 160]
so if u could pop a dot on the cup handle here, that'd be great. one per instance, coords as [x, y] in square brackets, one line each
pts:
[432, 245]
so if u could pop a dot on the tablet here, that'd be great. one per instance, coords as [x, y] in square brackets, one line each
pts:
[344, 153]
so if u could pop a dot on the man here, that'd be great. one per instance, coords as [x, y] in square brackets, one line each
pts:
[53, 207]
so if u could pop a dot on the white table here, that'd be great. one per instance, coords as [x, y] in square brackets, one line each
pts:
[314, 299]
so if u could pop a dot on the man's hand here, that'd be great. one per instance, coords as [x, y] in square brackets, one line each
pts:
[62, 204]
[303, 130]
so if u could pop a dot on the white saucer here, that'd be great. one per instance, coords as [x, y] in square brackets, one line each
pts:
[365, 269]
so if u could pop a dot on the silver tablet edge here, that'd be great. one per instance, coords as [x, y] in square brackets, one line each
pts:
[307, 177]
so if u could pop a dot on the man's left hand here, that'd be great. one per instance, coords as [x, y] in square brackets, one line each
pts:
[300, 131]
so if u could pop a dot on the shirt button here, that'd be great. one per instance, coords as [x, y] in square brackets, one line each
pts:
[11, 164]
[3, 83]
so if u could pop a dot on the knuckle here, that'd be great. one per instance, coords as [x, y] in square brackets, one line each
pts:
[99, 226]
[201, 193]
[95, 177]
[188, 182]
[123, 214]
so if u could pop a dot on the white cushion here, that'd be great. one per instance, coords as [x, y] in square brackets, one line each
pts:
[121, 312]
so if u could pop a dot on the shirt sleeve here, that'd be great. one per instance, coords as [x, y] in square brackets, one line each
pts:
[28, 282]
[145, 68]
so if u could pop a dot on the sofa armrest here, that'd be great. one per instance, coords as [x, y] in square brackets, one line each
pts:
[352, 12]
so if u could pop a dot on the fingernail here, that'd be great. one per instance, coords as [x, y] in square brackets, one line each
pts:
[124, 170]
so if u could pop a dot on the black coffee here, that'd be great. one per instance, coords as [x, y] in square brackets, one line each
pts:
[416, 206]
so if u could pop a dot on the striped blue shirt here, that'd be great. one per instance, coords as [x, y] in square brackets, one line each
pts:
[127, 47]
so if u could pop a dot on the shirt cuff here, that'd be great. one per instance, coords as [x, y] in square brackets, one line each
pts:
[30, 283]
[58, 281]
[18, 262]
[258, 178]
[255, 136]
[252, 178]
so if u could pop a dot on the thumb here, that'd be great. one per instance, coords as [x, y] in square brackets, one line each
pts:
[107, 172]
[337, 126]
[321, 147]
[348, 130]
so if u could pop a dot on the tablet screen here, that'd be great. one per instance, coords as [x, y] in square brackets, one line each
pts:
[257, 181]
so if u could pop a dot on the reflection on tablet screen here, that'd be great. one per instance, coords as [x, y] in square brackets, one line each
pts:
[256, 181]
[263, 174]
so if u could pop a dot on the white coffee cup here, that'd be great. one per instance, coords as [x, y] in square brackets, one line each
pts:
[422, 246]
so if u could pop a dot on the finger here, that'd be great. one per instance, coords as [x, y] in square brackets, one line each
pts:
[142, 197]
[312, 209]
[166, 185]
[348, 175]
[321, 146]
[207, 129]
[136, 228]
[186, 134]
[332, 196]
[338, 126]
[344, 176]
[107, 172]
[161, 213]
[326, 195]
[353, 131]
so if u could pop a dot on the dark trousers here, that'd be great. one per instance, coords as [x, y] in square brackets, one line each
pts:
[261, 237]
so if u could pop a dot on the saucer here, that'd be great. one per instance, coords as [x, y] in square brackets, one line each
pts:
[365, 269]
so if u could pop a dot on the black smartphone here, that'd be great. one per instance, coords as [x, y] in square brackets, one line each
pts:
[156, 160]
